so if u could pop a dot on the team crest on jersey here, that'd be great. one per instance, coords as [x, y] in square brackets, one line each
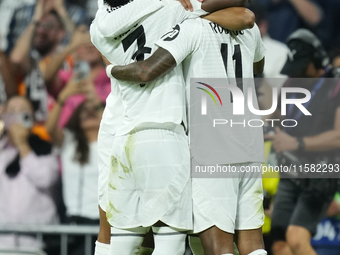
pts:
[172, 34]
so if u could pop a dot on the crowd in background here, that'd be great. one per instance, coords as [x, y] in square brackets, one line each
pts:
[53, 88]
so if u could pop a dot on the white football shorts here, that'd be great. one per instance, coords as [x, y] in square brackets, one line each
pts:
[105, 141]
[228, 203]
[150, 180]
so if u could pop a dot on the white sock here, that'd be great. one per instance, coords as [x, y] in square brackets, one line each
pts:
[169, 240]
[101, 248]
[126, 241]
[258, 252]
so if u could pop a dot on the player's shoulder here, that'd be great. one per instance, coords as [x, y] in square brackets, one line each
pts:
[112, 22]
[193, 27]
[171, 7]
[170, 3]
[254, 31]
[248, 36]
[192, 23]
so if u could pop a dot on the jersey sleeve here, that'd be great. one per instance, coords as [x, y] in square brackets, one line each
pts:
[181, 14]
[100, 3]
[260, 48]
[113, 22]
[182, 40]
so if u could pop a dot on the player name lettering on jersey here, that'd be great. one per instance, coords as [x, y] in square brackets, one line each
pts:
[221, 30]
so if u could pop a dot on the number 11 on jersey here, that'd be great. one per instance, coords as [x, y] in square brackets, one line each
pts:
[237, 57]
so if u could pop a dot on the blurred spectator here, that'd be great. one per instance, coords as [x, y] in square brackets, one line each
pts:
[335, 57]
[91, 9]
[327, 238]
[3, 95]
[286, 16]
[300, 204]
[328, 30]
[45, 31]
[97, 77]
[20, 15]
[7, 78]
[27, 173]
[270, 183]
[78, 144]
[276, 53]
[59, 69]
[7, 8]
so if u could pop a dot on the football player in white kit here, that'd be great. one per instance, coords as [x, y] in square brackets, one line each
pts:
[149, 182]
[220, 206]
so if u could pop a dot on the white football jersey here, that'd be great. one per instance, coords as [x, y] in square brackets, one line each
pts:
[210, 51]
[127, 34]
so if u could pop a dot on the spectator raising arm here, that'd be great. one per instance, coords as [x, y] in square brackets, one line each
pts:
[56, 133]
[81, 36]
[59, 7]
[309, 11]
[7, 74]
[20, 53]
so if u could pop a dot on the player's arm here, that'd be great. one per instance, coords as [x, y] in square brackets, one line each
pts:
[236, 18]
[148, 70]
[174, 47]
[259, 66]
[122, 19]
[104, 235]
[215, 5]
[260, 51]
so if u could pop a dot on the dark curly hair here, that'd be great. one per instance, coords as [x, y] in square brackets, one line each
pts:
[116, 3]
[74, 125]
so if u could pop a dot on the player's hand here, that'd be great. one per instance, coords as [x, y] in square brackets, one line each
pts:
[281, 141]
[187, 4]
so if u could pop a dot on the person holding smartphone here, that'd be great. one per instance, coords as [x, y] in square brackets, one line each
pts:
[28, 171]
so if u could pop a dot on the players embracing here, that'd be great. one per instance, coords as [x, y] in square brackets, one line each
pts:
[145, 161]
